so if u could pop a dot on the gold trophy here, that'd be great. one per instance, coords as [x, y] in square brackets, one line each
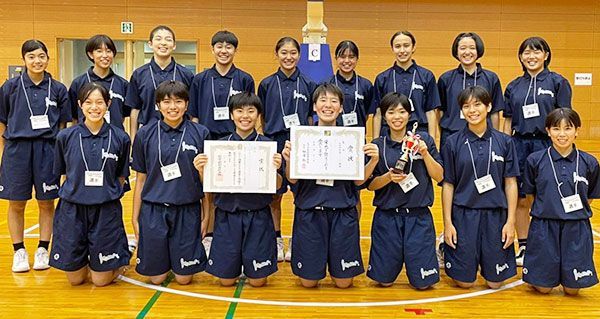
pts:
[410, 144]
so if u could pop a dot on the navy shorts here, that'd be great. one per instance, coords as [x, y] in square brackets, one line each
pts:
[403, 236]
[479, 234]
[525, 146]
[27, 163]
[326, 237]
[560, 252]
[280, 138]
[170, 239]
[243, 238]
[89, 234]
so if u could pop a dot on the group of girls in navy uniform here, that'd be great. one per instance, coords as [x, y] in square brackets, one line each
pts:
[490, 178]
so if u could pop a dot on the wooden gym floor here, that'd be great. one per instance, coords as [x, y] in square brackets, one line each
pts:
[46, 294]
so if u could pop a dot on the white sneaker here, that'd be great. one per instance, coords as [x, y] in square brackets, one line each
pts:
[520, 256]
[206, 242]
[280, 251]
[41, 259]
[20, 261]
[288, 253]
[439, 251]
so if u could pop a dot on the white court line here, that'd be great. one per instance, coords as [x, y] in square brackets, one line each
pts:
[596, 233]
[32, 228]
[320, 304]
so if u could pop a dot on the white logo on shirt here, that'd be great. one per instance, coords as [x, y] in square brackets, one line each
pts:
[188, 263]
[116, 95]
[187, 147]
[106, 154]
[416, 86]
[260, 265]
[50, 102]
[298, 95]
[49, 188]
[577, 178]
[358, 96]
[426, 273]
[233, 92]
[106, 258]
[579, 275]
[500, 269]
[547, 92]
[346, 265]
[497, 158]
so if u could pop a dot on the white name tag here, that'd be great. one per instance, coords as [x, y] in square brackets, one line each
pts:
[221, 113]
[107, 116]
[170, 172]
[350, 119]
[94, 178]
[409, 183]
[485, 184]
[291, 120]
[531, 110]
[39, 122]
[572, 203]
[325, 182]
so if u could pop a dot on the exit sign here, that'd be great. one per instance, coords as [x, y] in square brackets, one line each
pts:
[126, 27]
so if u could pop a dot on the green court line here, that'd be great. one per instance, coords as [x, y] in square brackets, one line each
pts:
[236, 294]
[154, 298]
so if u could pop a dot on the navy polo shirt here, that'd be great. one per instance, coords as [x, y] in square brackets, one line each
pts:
[425, 96]
[211, 81]
[112, 82]
[15, 113]
[392, 196]
[184, 190]
[458, 167]
[452, 82]
[269, 94]
[357, 91]
[550, 91]
[233, 202]
[539, 180]
[68, 161]
[140, 92]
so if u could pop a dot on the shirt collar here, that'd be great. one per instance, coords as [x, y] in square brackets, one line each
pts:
[165, 127]
[228, 75]
[341, 79]
[85, 131]
[292, 77]
[472, 137]
[28, 83]
[236, 137]
[410, 69]
[94, 77]
[478, 69]
[157, 68]
[555, 155]
[540, 77]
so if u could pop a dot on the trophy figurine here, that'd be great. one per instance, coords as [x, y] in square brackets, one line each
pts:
[410, 143]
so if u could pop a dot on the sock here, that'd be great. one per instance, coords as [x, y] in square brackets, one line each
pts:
[18, 246]
[522, 242]
[208, 234]
[44, 244]
[278, 234]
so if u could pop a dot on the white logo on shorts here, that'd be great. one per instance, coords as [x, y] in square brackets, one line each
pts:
[185, 263]
[500, 269]
[547, 92]
[497, 158]
[106, 258]
[210, 262]
[448, 265]
[56, 256]
[426, 273]
[49, 188]
[299, 265]
[525, 271]
[1, 188]
[369, 268]
[187, 147]
[346, 265]
[138, 261]
[260, 265]
[106, 154]
[579, 275]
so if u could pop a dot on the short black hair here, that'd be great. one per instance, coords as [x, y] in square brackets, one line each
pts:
[346, 45]
[240, 100]
[89, 87]
[172, 89]
[285, 40]
[393, 99]
[325, 88]
[535, 43]
[478, 43]
[406, 33]
[161, 27]
[558, 115]
[476, 92]
[32, 45]
[97, 42]
[224, 36]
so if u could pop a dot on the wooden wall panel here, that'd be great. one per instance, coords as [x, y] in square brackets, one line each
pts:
[572, 29]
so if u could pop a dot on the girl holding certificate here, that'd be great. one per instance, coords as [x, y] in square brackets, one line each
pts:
[326, 233]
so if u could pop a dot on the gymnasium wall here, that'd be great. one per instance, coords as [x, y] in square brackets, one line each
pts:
[571, 27]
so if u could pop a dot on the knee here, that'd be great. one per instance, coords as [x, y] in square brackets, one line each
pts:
[257, 282]
[542, 290]
[102, 281]
[494, 285]
[422, 288]
[385, 284]
[157, 280]
[183, 280]
[76, 281]
[227, 282]
[463, 284]
[307, 283]
[343, 283]
[571, 291]
[17, 205]
[46, 206]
